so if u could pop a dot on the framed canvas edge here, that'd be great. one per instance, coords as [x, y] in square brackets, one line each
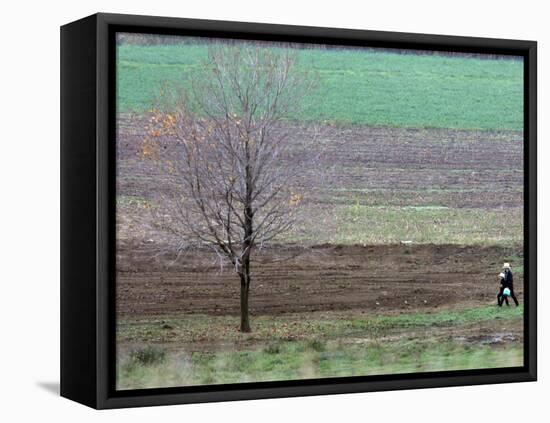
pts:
[108, 398]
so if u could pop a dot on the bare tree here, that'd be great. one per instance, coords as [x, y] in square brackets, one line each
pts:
[230, 149]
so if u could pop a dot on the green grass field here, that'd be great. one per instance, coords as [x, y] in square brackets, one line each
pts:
[290, 348]
[358, 87]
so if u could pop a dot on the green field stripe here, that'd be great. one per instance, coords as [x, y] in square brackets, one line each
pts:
[363, 88]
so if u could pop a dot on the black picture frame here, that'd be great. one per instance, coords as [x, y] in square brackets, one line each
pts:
[87, 210]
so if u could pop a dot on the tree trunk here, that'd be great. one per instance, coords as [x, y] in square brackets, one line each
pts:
[247, 245]
[245, 285]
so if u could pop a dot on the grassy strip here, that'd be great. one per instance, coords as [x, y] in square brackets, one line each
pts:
[313, 359]
[443, 318]
[376, 224]
[358, 87]
[362, 224]
[292, 348]
[202, 328]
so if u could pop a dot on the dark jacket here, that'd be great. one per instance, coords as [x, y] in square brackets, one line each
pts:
[508, 279]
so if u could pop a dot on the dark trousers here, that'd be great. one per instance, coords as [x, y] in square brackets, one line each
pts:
[501, 298]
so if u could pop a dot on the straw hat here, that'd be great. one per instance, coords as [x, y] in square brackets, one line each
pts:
[506, 266]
